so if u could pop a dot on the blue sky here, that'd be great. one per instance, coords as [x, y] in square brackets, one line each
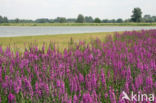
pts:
[32, 9]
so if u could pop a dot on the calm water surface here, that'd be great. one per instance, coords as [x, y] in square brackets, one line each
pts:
[11, 31]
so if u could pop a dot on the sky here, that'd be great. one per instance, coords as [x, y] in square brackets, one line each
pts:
[104, 9]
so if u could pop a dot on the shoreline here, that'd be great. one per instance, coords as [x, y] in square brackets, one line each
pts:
[78, 24]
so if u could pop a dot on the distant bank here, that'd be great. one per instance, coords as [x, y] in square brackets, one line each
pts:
[77, 24]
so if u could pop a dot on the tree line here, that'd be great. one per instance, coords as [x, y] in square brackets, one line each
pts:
[135, 17]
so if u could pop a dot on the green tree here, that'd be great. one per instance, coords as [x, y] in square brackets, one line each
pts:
[5, 20]
[42, 20]
[119, 20]
[127, 20]
[148, 18]
[89, 19]
[137, 15]
[1, 19]
[112, 21]
[80, 19]
[105, 20]
[61, 19]
[71, 20]
[154, 18]
[97, 20]
[17, 20]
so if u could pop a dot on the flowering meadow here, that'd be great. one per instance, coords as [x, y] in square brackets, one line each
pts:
[94, 72]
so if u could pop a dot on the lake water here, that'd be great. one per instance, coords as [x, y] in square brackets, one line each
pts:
[11, 31]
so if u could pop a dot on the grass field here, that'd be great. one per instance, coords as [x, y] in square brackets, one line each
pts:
[61, 41]
[77, 24]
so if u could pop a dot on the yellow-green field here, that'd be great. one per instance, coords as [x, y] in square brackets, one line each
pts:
[61, 41]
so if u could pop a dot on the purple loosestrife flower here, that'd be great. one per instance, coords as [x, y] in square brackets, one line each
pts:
[108, 75]
[149, 83]
[75, 99]
[11, 98]
[81, 78]
[17, 85]
[94, 96]
[90, 57]
[127, 87]
[133, 87]
[94, 81]
[46, 88]
[87, 98]
[112, 95]
[58, 83]
[128, 76]
[61, 88]
[140, 66]
[138, 81]
[1, 50]
[123, 73]
[44, 67]
[88, 84]
[80, 59]
[0, 74]
[36, 68]
[70, 100]
[75, 85]
[11, 69]
[8, 52]
[106, 95]
[5, 85]
[103, 79]
[65, 98]
[38, 92]
[17, 54]
[27, 86]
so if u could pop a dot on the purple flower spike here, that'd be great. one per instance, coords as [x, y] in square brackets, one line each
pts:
[11, 97]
